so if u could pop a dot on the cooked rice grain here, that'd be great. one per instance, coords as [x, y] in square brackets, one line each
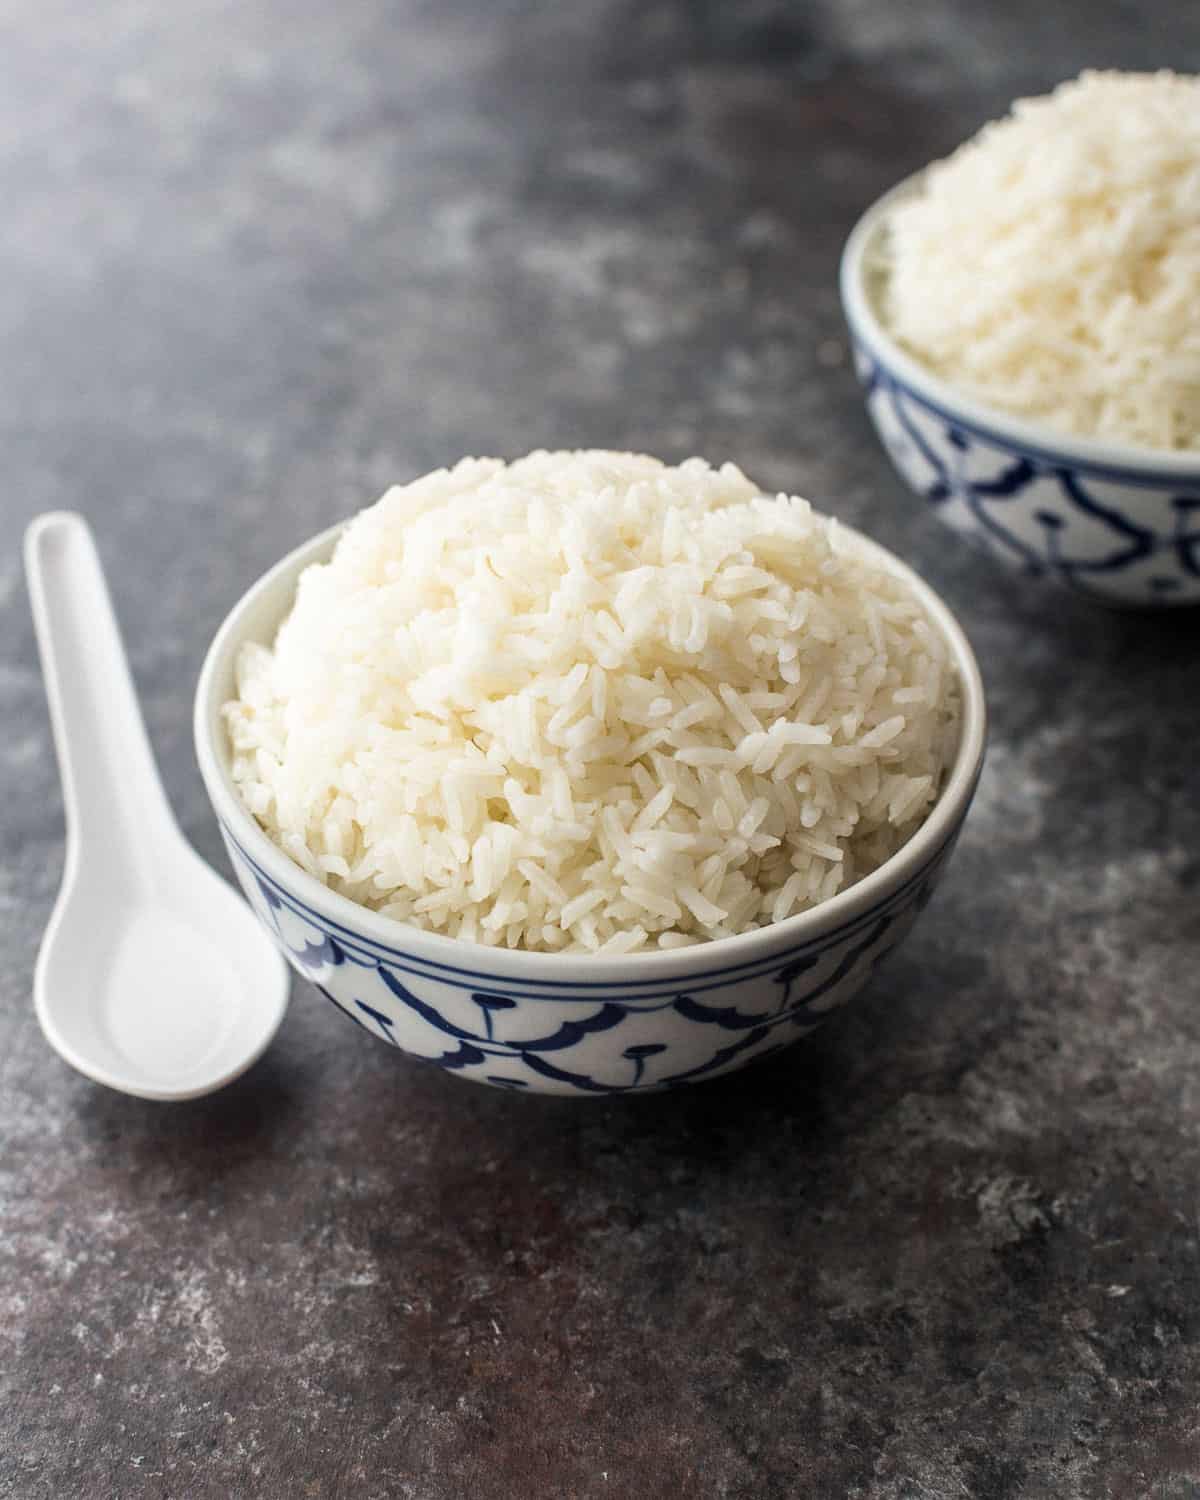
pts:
[585, 701]
[1050, 266]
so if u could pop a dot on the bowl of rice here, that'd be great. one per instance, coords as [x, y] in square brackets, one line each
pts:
[1026, 327]
[585, 774]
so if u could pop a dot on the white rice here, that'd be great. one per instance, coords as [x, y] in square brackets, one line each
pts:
[1051, 266]
[585, 701]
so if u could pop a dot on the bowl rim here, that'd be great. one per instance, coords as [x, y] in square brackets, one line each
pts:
[1122, 461]
[537, 966]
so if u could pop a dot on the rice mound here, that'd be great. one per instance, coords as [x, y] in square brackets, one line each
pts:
[585, 701]
[1051, 265]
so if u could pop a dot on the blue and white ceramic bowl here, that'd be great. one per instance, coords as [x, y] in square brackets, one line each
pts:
[1118, 523]
[574, 1024]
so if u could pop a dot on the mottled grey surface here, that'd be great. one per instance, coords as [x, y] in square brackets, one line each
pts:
[257, 260]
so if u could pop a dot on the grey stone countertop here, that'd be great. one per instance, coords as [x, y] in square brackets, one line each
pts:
[260, 259]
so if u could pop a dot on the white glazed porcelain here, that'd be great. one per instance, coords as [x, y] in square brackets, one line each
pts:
[1116, 522]
[574, 1024]
[152, 978]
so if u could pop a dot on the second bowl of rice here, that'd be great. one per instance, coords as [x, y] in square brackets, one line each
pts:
[1027, 334]
[586, 774]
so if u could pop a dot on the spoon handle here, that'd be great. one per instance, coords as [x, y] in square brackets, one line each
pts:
[111, 789]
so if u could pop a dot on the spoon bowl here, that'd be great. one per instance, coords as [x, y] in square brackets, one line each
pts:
[166, 994]
[153, 976]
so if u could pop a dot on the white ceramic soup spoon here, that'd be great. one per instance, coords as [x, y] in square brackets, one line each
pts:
[153, 976]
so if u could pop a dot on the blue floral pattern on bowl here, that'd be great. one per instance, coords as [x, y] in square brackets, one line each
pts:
[584, 1037]
[1126, 536]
